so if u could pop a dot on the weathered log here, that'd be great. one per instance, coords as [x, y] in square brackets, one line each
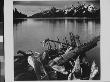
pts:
[76, 52]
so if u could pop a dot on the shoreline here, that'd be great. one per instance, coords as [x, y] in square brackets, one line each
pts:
[59, 18]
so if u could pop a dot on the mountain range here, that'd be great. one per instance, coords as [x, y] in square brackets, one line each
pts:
[82, 10]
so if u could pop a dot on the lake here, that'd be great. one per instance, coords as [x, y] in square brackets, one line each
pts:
[29, 33]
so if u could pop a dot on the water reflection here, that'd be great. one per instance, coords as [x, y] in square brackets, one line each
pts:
[62, 20]
[29, 33]
[18, 21]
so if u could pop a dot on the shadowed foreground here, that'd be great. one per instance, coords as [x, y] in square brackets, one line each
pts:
[67, 62]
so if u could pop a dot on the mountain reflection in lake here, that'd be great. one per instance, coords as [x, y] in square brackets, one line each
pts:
[29, 33]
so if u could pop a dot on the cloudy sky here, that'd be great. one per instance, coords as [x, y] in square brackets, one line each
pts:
[32, 7]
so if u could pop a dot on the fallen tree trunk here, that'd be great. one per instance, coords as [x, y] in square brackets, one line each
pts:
[76, 52]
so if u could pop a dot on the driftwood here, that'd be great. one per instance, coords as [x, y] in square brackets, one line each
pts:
[76, 52]
[48, 71]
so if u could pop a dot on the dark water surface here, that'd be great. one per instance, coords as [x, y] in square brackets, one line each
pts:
[28, 33]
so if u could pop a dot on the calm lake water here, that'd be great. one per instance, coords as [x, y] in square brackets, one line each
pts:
[28, 33]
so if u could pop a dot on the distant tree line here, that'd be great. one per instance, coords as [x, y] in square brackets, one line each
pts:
[17, 14]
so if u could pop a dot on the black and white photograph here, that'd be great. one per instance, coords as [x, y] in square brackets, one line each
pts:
[1, 41]
[56, 40]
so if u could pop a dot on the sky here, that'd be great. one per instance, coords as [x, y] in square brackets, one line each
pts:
[31, 7]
